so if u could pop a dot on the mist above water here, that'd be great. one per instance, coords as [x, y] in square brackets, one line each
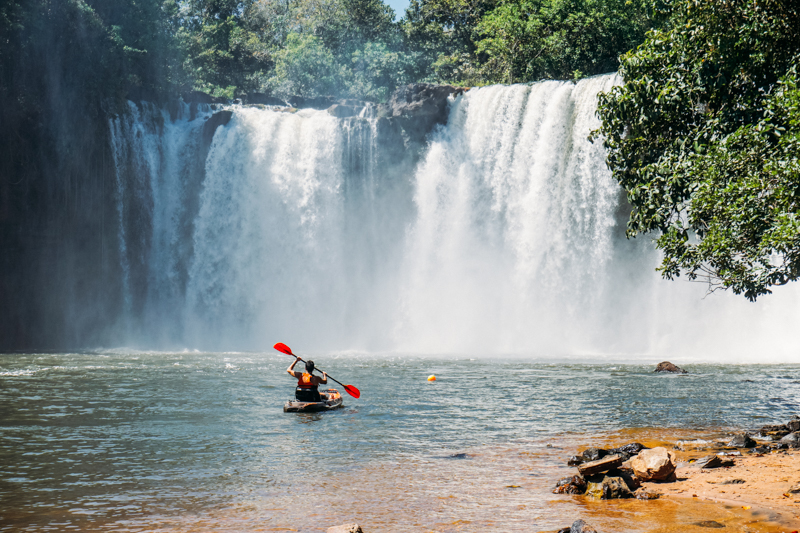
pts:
[505, 237]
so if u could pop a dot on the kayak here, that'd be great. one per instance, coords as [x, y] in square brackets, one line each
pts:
[331, 399]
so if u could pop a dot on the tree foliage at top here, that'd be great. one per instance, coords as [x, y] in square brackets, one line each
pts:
[704, 137]
[534, 39]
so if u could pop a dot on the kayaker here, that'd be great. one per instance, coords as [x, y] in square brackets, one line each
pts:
[307, 384]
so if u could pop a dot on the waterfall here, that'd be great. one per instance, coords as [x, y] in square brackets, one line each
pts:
[506, 235]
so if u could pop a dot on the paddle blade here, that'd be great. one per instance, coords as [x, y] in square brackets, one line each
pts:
[283, 348]
[352, 391]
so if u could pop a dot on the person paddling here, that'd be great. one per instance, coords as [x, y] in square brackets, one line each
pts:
[307, 384]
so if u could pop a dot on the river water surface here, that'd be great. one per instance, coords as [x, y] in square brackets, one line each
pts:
[133, 441]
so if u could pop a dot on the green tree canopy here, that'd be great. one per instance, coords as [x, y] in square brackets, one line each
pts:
[703, 136]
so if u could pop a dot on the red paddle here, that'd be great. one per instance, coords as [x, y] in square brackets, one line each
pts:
[352, 391]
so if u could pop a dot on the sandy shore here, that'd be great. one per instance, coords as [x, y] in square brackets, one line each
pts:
[755, 480]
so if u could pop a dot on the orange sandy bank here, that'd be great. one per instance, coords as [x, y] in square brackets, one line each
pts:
[754, 480]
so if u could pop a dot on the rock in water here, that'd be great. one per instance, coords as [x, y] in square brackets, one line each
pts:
[345, 528]
[644, 494]
[603, 465]
[609, 488]
[792, 440]
[579, 526]
[742, 440]
[794, 424]
[657, 464]
[666, 366]
[571, 485]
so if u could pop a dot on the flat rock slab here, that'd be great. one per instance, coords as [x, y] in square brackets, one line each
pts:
[601, 465]
[713, 461]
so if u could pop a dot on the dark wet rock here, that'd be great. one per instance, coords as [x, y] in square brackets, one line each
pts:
[344, 111]
[418, 107]
[794, 424]
[593, 454]
[742, 440]
[713, 461]
[571, 485]
[601, 465]
[709, 523]
[644, 494]
[575, 460]
[220, 118]
[579, 526]
[317, 102]
[792, 440]
[760, 449]
[775, 431]
[607, 488]
[629, 450]
[345, 528]
[263, 99]
[666, 366]
[628, 475]
[199, 97]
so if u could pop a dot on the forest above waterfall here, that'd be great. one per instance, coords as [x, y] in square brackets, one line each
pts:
[701, 129]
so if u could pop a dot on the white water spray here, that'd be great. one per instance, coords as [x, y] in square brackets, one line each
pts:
[507, 237]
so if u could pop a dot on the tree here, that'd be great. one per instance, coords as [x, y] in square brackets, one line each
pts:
[526, 40]
[703, 136]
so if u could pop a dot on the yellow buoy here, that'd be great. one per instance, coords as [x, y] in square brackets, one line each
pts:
[431, 378]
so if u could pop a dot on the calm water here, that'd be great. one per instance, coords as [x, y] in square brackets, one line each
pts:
[121, 441]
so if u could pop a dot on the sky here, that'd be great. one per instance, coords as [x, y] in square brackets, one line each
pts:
[399, 7]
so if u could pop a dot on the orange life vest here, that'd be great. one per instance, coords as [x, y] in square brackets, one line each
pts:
[305, 382]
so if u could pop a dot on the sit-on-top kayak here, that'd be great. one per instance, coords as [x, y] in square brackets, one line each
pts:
[331, 399]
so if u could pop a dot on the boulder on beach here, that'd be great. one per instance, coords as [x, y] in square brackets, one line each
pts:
[794, 424]
[571, 485]
[742, 440]
[792, 440]
[666, 366]
[345, 528]
[656, 464]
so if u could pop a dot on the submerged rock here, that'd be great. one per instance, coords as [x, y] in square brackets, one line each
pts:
[742, 440]
[666, 366]
[709, 523]
[656, 464]
[571, 485]
[578, 526]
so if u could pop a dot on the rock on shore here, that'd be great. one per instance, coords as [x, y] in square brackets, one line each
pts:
[657, 464]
